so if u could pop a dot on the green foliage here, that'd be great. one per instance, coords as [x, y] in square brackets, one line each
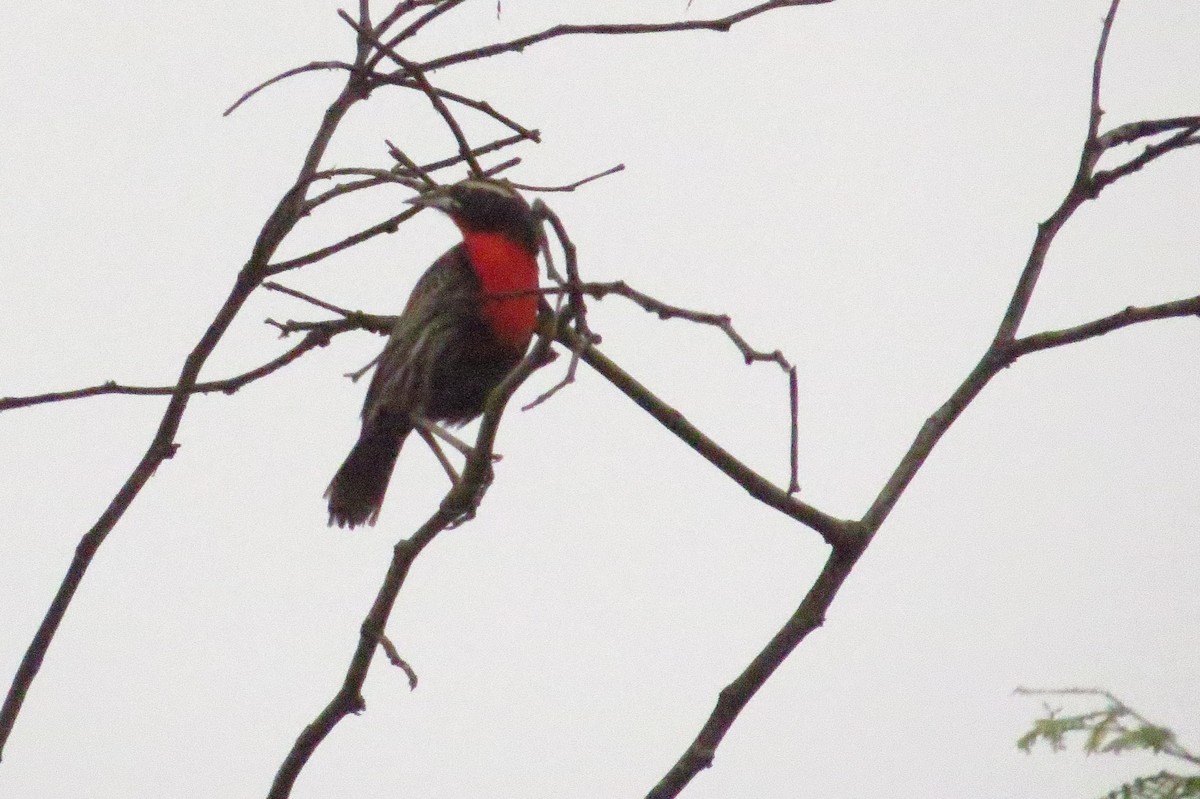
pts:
[1115, 729]
[1162, 785]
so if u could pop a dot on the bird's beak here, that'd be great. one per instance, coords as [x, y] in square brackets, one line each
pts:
[438, 198]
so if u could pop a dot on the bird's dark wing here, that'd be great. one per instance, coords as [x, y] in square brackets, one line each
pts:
[444, 303]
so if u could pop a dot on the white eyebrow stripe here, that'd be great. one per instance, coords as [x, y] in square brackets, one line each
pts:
[487, 185]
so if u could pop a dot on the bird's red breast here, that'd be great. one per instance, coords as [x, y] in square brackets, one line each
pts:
[505, 266]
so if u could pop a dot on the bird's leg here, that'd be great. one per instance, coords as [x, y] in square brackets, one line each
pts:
[425, 433]
[357, 373]
[432, 428]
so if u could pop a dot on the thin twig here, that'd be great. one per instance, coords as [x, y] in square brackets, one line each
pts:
[576, 308]
[401, 78]
[396, 13]
[486, 108]
[794, 460]
[1132, 131]
[837, 532]
[437, 431]
[721, 322]
[568, 379]
[388, 225]
[374, 177]
[666, 311]
[312, 67]
[418, 74]
[1184, 138]
[721, 25]
[455, 160]
[1080, 192]
[271, 285]
[380, 324]
[492, 171]
[317, 336]
[442, 6]
[612, 170]
[406, 163]
[1132, 315]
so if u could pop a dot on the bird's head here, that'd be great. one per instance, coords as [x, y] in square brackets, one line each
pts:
[485, 206]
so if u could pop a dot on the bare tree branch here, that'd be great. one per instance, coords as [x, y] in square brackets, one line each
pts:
[1184, 138]
[418, 74]
[373, 178]
[317, 336]
[612, 170]
[720, 321]
[162, 446]
[402, 79]
[839, 533]
[442, 6]
[721, 25]
[1004, 349]
[487, 109]
[389, 225]
[666, 311]
[311, 67]
[1132, 131]
[734, 697]
[852, 538]
[1124, 318]
[394, 16]
[498, 144]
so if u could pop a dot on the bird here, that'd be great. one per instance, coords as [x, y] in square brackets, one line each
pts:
[467, 323]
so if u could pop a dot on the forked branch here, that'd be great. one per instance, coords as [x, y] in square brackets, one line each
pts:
[1004, 349]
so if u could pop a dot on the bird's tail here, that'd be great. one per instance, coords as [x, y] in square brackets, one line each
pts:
[356, 492]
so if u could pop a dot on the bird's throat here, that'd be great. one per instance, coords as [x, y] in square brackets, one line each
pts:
[505, 267]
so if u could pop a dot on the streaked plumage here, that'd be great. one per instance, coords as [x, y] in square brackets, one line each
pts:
[452, 344]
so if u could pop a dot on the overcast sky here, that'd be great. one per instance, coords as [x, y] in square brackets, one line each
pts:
[856, 184]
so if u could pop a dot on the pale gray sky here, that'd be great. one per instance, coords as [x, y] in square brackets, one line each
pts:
[856, 184]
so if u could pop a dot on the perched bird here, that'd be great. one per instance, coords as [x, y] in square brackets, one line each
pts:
[454, 342]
